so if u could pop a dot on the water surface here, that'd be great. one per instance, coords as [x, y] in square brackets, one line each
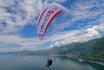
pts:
[30, 62]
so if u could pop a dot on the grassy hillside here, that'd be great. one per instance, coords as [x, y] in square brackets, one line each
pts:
[98, 49]
[93, 48]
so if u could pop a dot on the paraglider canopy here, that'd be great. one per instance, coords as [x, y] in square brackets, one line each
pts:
[47, 15]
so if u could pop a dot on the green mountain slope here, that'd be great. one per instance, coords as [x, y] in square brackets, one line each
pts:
[93, 48]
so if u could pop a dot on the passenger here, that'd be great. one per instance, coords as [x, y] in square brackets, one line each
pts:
[49, 63]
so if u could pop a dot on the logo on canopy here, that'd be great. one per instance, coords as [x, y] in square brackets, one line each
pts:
[50, 11]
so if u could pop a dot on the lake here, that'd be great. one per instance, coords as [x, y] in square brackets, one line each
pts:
[32, 62]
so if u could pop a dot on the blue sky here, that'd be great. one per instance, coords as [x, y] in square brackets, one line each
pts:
[18, 23]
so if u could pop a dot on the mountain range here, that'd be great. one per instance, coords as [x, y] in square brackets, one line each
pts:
[92, 48]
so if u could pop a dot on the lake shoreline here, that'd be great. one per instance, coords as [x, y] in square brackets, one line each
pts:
[81, 59]
[74, 57]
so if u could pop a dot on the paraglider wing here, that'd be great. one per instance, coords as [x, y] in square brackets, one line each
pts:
[46, 17]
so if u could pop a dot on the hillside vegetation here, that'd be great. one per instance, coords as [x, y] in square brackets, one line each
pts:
[93, 48]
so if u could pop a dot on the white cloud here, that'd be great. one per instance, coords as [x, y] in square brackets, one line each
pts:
[23, 43]
[82, 10]
[18, 13]
[67, 37]
[51, 1]
[32, 7]
[82, 35]
[13, 39]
